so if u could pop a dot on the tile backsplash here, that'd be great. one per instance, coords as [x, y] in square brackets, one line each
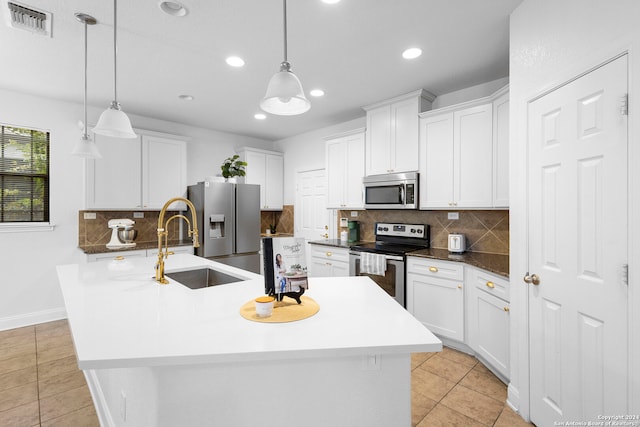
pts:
[283, 220]
[97, 232]
[486, 231]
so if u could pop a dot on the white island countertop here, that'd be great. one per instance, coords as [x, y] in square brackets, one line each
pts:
[120, 317]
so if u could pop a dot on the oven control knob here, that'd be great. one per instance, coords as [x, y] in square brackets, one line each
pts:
[419, 231]
[413, 230]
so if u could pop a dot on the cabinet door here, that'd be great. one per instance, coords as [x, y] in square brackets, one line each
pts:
[404, 136]
[378, 141]
[473, 157]
[114, 181]
[164, 173]
[501, 152]
[489, 329]
[255, 172]
[436, 161]
[273, 182]
[354, 171]
[336, 172]
[438, 304]
[340, 269]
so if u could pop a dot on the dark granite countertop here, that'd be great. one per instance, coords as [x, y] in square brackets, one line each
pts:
[101, 249]
[494, 263]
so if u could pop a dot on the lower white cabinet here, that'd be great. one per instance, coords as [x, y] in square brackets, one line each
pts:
[435, 295]
[328, 261]
[488, 318]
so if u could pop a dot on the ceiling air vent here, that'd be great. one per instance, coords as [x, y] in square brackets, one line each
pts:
[28, 18]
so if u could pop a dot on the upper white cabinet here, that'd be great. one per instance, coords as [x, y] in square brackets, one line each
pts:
[140, 173]
[345, 169]
[392, 133]
[501, 150]
[265, 168]
[464, 155]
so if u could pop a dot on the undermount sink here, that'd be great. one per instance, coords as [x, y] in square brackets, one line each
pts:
[203, 278]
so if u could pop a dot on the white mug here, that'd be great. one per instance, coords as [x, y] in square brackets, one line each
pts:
[264, 306]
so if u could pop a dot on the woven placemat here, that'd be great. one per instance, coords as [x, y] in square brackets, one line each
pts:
[287, 310]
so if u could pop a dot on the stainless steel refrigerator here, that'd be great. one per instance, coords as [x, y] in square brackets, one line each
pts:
[228, 222]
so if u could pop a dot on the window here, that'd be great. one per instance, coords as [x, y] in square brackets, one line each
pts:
[24, 175]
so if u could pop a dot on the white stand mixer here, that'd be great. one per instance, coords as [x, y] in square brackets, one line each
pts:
[119, 224]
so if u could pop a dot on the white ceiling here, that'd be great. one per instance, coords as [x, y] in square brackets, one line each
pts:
[352, 50]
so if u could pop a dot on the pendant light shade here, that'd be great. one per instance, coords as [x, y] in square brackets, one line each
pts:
[113, 121]
[85, 147]
[285, 96]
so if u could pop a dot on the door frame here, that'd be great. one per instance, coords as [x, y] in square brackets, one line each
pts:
[519, 388]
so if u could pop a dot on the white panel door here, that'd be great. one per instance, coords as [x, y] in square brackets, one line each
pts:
[404, 135]
[378, 141]
[312, 216]
[578, 248]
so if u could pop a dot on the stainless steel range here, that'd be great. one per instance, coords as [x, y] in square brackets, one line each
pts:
[384, 260]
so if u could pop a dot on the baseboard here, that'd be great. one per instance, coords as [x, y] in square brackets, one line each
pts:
[99, 402]
[513, 398]
[34, 318]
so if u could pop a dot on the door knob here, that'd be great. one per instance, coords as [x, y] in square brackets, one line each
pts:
[533, 279]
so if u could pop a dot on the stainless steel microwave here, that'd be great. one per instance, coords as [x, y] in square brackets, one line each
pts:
[391, 191]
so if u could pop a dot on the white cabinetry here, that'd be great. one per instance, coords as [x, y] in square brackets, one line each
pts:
[435, 295]
[464, 155]
[345, 169]
[488, 318]
[328, 261]
[501, 150]
[140, 173]
[392, 133]
[265, 168]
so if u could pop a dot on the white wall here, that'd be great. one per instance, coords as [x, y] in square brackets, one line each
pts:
[470, 93]
[29, 291]
[552, 41]
[307, 152]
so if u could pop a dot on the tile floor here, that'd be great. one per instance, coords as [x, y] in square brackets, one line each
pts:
[40, 385]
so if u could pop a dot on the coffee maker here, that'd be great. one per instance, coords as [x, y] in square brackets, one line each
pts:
[122, 233]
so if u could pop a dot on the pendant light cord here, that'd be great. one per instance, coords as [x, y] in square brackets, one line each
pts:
[284, 8]
[85, 136]
[115, 56]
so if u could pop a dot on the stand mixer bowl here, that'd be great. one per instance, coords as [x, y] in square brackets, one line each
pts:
[127, 235]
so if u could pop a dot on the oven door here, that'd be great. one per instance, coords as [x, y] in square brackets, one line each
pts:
[392, 281]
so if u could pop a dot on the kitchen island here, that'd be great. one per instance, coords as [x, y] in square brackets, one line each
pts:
[161, 355]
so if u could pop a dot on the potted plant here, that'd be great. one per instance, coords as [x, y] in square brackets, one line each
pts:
[233, 167]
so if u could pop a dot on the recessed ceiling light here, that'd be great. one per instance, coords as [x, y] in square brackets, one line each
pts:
[186, 97]
[330, 1]
[316, 92]
[260, 116]
[235, 61]
[173, 8]
[412, 53]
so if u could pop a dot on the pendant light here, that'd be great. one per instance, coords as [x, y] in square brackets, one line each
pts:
[85, 147]
[113, 121]
[285, 96]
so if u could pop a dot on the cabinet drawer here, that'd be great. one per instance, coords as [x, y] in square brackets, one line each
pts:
[494, 285]
[330, 253]
[435, 268]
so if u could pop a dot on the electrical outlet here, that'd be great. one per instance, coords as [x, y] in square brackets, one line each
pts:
[89, 215]
[453, 215]
[138, 214]
[354, 214]
[344, 222]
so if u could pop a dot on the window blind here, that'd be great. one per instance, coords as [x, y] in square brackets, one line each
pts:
[24, 175]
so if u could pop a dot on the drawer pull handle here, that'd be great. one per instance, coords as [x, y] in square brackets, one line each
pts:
[433, 269]
[506, 309]
[491, 285]
[329, 254]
